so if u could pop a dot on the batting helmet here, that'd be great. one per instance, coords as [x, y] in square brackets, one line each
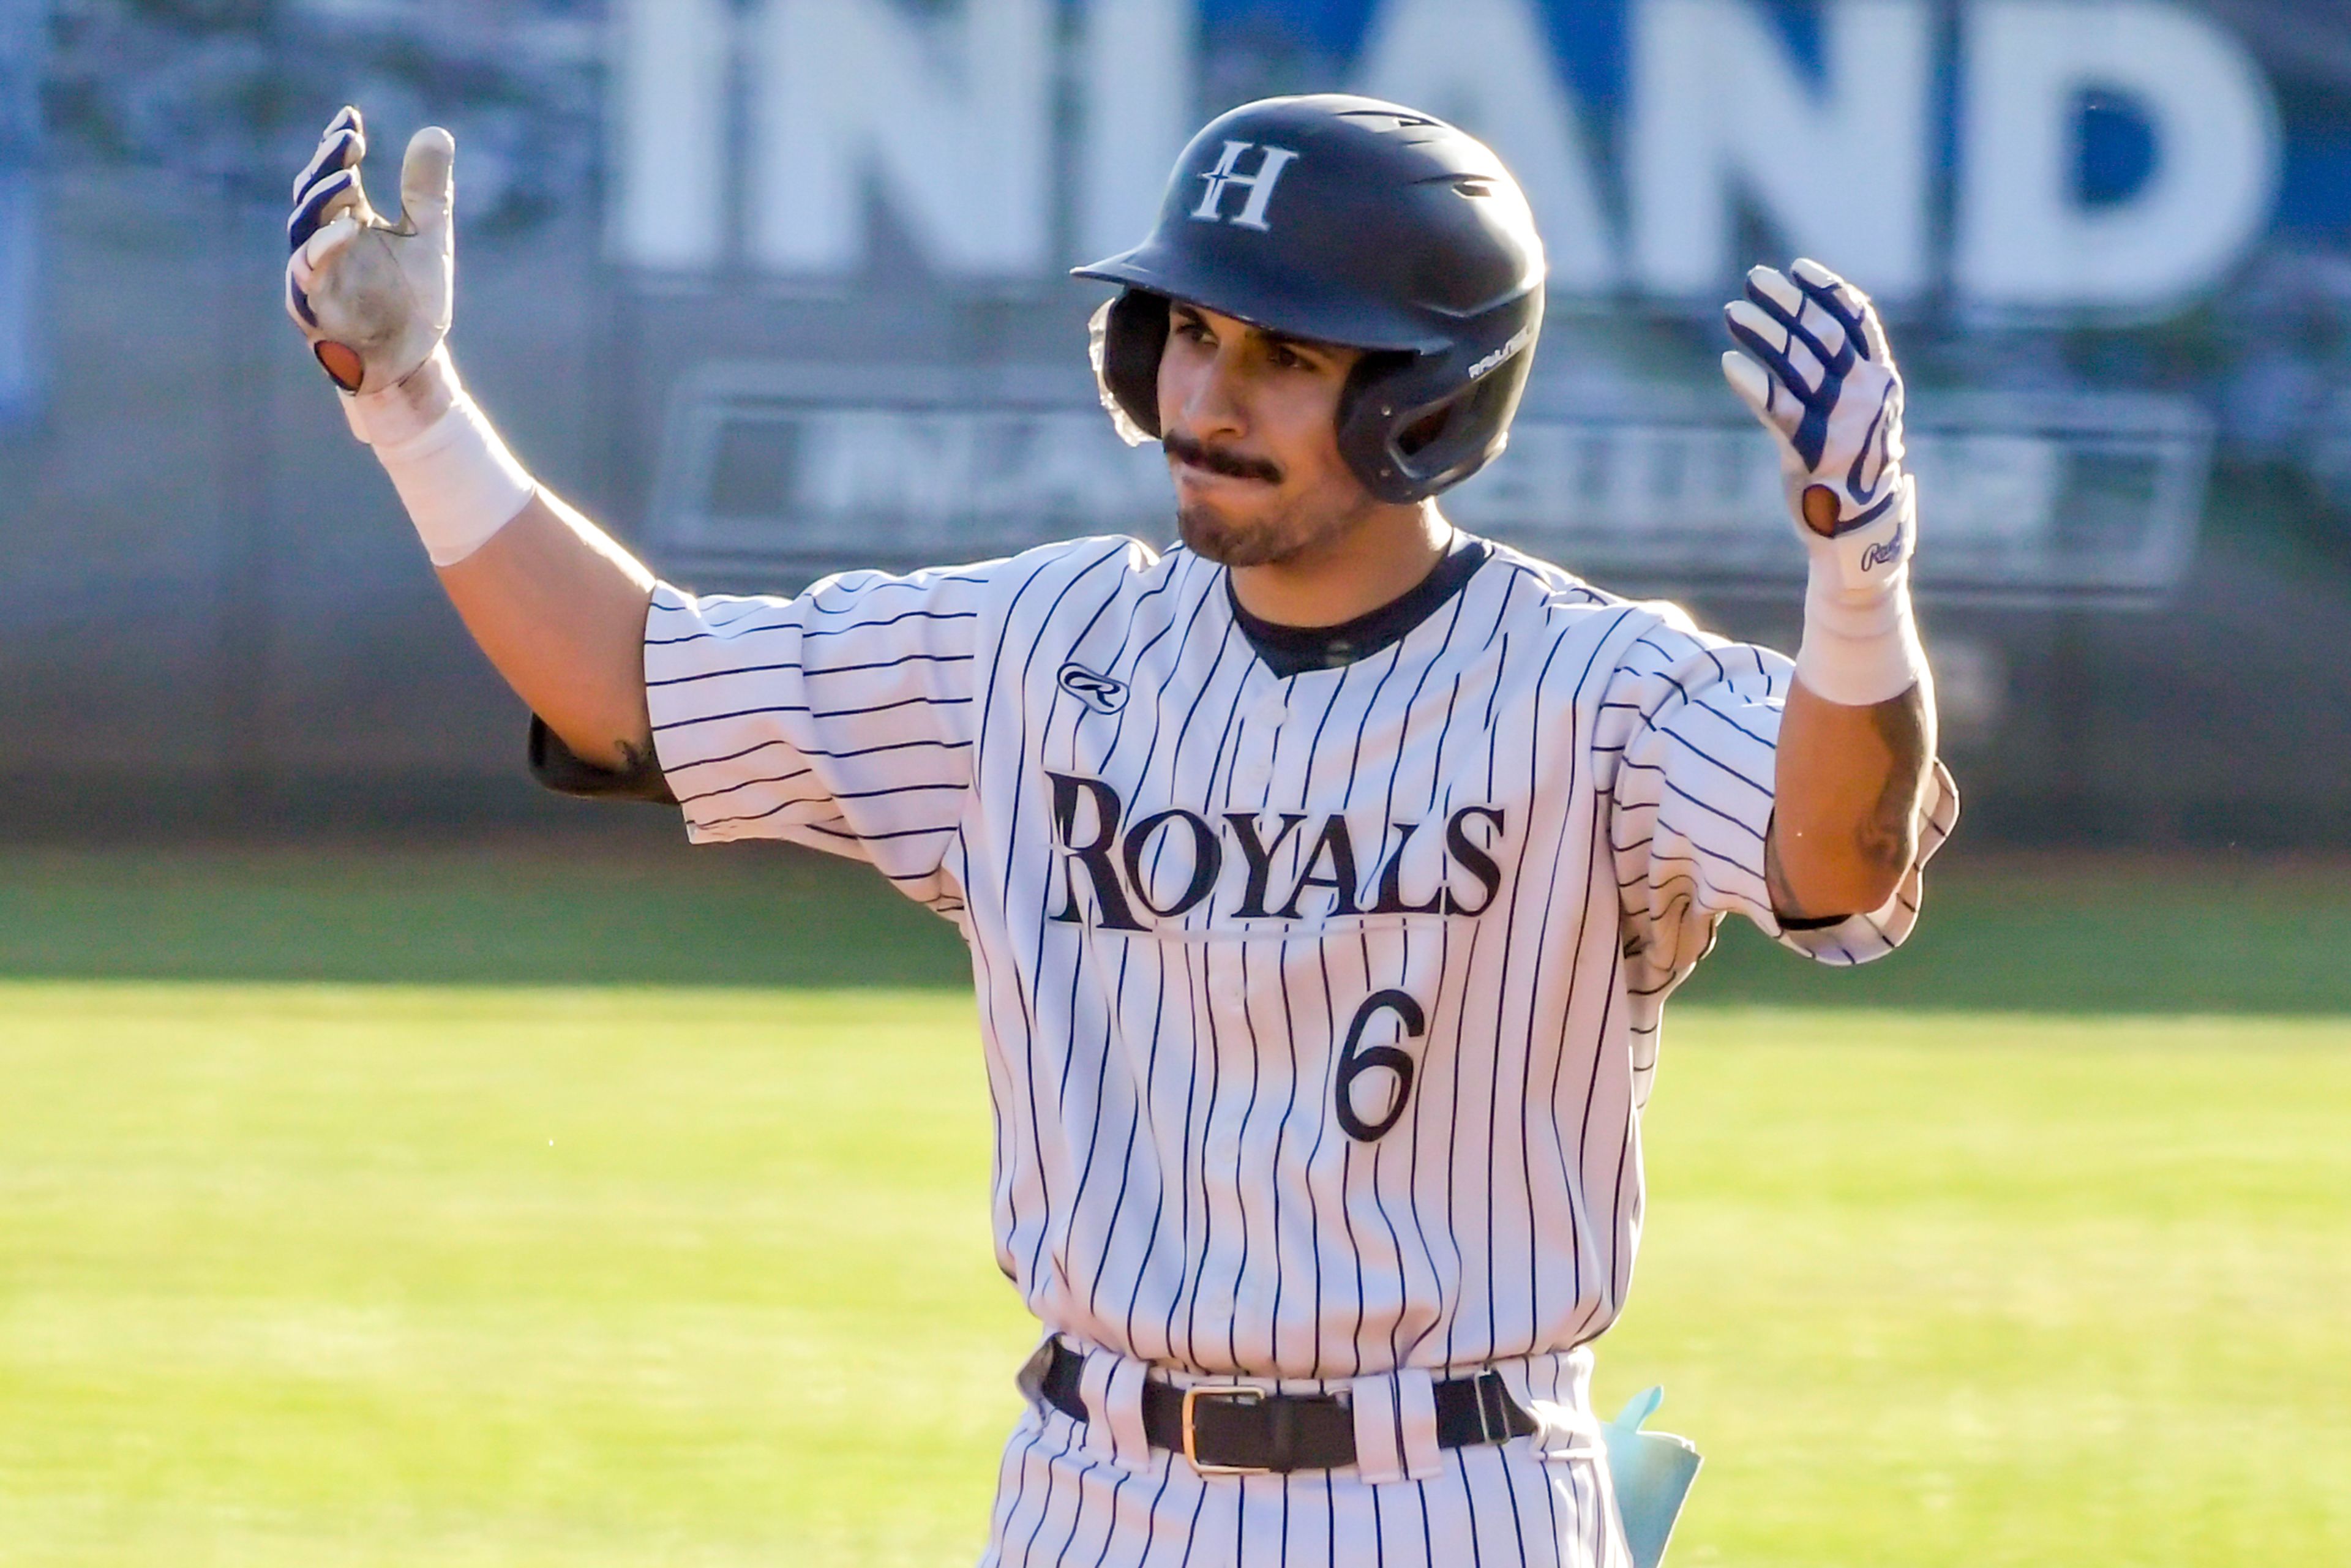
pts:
[1365, 225]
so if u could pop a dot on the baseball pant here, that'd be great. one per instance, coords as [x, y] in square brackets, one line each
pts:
[1061, 1503]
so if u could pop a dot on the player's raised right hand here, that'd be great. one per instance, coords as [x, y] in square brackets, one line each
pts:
[373, 298]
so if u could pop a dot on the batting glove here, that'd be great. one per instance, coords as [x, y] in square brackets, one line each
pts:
[1818, 374]
[1821, 381]
[373, 298]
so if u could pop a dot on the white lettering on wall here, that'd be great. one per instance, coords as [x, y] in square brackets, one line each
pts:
[948, 118]
[1487, 66]
[1722, 111]
[671, 61]
[1139, 98]
[944, 115]
[2024, 238]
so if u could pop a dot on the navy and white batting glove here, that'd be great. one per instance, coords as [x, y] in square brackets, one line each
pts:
[1817, 372]
[372, 298]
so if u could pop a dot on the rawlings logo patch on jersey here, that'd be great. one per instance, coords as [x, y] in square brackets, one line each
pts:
[1100, 693]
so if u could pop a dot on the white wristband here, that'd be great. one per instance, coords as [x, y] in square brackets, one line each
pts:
[1859, 649]
[457, 479]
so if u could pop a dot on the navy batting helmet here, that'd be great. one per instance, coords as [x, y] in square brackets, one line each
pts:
[1360, 223]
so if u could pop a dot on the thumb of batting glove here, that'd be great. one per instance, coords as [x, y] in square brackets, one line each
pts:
[1818, 374]
[372, 298]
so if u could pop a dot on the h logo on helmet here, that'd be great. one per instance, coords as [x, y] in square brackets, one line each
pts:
[1270, 163]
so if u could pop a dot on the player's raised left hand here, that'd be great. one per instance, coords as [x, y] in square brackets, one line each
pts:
[1818, 373]
[374, 297]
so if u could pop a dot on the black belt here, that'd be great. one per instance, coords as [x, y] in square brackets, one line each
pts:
[1224, 1428]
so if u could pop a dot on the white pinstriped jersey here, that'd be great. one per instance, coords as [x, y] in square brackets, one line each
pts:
[1319, 1012]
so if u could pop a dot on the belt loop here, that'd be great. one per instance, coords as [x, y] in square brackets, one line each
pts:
[1554, 1390]
[1395, 1425]
[1493, 1408]
[1111, 1387]
[1030, 1378]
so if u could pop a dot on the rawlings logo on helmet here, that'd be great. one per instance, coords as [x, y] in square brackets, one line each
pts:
[1500, 356]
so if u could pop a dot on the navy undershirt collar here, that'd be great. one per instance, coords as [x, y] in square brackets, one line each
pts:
[1293, 650]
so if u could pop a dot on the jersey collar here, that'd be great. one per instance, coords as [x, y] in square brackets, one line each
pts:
[1290, 651]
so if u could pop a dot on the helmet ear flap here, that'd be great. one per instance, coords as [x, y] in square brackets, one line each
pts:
[1449, 444]
[1367, 417]
[1127, 338]
[1412, 427]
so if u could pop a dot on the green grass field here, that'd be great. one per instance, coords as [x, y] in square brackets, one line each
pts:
[2031, 1246]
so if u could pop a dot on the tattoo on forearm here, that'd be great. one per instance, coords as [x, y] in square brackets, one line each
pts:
[1885, 836]
[1888, 836]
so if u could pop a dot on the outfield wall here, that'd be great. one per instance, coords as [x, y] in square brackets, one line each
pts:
[764, 328]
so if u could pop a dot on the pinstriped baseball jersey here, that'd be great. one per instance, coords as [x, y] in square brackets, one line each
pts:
[1319, 1011]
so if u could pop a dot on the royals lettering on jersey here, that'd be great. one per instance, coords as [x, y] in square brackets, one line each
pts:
[1111, 856]
[1318, 1012]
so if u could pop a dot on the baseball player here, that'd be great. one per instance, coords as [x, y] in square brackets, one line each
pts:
[1324, 877]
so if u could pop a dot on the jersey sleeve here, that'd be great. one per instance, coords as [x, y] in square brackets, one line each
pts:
[1689, 741]
[842, 719]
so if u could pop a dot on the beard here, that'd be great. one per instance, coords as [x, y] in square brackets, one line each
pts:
[1271, 537]
[1271, 540]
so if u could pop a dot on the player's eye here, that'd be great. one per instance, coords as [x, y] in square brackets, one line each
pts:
[1282, 356]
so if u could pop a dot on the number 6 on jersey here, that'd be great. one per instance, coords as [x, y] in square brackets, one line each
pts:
[1356, 1059]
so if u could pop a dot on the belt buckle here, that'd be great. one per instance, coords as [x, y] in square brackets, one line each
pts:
[1240, 1394]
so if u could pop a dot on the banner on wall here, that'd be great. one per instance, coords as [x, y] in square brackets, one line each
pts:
[774, 474]
[2042, 156]
[2000, 167]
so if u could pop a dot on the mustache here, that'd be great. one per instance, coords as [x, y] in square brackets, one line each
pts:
[1231, 464]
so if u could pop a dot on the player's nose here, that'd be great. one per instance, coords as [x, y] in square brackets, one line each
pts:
[1215, 407]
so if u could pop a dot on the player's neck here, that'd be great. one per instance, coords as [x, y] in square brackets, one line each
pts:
[1379, 560]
